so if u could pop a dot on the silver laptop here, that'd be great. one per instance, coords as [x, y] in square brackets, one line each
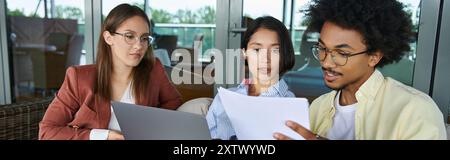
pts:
[151, 123]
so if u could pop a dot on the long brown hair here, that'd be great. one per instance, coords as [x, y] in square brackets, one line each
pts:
[140, 73]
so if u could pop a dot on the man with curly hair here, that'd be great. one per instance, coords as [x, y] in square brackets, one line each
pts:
[356, 37]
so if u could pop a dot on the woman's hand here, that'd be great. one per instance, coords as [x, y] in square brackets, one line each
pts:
[113, 135]
[305, 133]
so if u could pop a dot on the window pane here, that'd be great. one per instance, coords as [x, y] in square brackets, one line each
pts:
[189, 21]
[404, 69]
[257, 8]
[43, 43]
[33, 8]
[184, 22]
[193, 25]
[110, 4]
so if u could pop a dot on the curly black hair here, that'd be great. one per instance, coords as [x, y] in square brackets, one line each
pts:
[385, 26]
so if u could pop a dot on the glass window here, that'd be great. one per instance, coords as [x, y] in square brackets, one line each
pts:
[189, 21]
[34, 8]
[257, 8]
[178, 26]
[193, 24]
[110, 4]
[404, 69]
[44, 39]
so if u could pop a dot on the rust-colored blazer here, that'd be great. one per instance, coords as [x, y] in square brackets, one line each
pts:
[75, 110]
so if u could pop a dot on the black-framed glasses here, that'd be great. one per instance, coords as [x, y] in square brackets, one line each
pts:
[131, 38]
[339, 57]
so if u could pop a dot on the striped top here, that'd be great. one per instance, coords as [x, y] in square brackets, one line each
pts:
[218, 122]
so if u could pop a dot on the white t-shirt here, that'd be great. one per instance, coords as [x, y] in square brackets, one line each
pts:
[102, 134]
[343, 122]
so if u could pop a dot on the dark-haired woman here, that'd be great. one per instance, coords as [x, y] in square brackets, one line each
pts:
[268, 50]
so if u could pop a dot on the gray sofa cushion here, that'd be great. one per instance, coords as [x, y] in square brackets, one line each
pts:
[198, 106]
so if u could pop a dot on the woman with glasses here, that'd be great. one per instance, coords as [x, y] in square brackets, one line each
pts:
[125, 71]
[268, 50]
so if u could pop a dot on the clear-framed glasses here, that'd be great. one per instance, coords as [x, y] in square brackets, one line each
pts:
[131, 38]
[339, 57]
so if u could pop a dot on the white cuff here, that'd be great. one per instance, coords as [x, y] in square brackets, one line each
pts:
[99, 134]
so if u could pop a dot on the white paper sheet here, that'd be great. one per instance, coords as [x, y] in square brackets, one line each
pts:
[257, 118]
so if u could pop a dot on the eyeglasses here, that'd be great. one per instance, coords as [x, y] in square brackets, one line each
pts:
[339, 57]
[131, 38]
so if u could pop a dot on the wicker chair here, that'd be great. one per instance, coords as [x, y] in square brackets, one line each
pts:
[21, 121]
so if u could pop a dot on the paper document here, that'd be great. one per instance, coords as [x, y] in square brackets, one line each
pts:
[257, 118]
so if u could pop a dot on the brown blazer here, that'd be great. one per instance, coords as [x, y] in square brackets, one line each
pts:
[75, 110]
